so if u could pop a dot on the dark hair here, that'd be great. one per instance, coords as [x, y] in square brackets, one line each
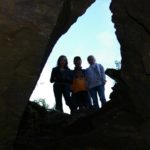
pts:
[76, 58]
[59, 59]
[90, 57]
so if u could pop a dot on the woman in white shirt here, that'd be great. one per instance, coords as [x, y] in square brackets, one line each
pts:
[96, 81]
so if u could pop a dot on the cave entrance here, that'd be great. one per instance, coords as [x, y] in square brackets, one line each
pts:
[93, 33]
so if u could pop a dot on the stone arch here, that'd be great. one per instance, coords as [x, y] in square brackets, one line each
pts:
[28, 35]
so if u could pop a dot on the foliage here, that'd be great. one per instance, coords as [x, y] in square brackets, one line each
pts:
[118, 64]
[42, 102]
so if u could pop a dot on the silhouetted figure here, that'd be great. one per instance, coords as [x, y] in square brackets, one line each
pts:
[62, 78]
[80, 93]
[96, 81]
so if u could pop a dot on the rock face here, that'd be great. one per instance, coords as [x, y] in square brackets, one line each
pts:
[113, 127]
[133, 32]
[28, 32]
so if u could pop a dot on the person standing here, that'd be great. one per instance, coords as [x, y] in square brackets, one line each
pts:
[96, 81]
[61, 76]
[80, 93]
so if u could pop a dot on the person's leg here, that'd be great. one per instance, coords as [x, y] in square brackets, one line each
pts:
[89, 100]
[79, 99]
[74, 103]
[58, 96]
[101, 93]
[67, 96]
[93, 94]
[86, 99]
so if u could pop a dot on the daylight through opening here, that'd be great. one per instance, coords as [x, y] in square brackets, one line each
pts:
[92, 34]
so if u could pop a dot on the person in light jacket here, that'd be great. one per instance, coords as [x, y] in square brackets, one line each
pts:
[96, 81]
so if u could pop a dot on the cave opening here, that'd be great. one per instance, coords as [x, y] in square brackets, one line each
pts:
[92, 34]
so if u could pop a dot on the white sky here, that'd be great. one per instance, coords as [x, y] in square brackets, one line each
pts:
[93, 33]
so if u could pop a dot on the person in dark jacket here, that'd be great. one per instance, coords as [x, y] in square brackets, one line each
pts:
[80, 93]
[61, 76]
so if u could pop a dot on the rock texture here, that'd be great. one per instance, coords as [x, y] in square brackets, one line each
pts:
[132, 23]
[112, 128]
[28, 31]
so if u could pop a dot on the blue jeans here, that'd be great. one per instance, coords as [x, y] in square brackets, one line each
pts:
[100, 90]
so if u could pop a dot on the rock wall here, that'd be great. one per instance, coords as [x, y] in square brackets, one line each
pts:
[28, 31]
[132, 25]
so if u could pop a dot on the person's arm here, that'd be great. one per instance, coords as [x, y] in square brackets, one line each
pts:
[53, 78]
[69, 76]
[103, 74]
[87, 76]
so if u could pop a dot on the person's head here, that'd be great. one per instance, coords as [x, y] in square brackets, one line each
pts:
[62, 61]
[77, 61]
[91, 60]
